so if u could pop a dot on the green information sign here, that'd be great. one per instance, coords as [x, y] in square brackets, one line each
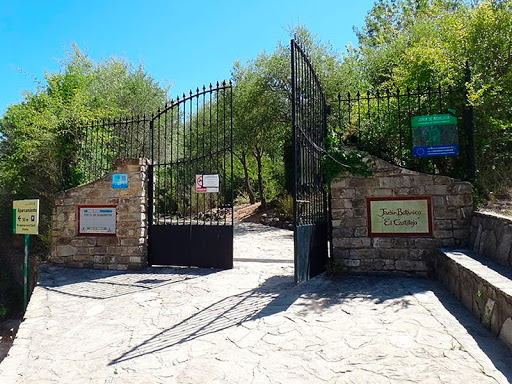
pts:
[434, 135]
[399, 216]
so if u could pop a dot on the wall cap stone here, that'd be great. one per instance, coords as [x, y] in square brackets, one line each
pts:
[494, 215]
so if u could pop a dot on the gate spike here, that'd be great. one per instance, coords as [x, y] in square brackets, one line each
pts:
[190, 93]
[210, 86]
[217, 84]
[339, 96]
[197, 90]
[204, 88]
[358, 95]
[230, 82]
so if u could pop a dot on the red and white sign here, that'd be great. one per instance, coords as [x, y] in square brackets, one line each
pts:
[207, 183]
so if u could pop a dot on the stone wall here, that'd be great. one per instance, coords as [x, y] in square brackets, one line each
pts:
[128, 248]
[491, 236]
[357, 252]
[487, 293]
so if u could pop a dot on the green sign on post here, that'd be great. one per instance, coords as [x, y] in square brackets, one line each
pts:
[25, 221]
[434, 135]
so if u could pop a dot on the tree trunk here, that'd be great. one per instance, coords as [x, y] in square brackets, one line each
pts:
[247, 185]
[258, 155]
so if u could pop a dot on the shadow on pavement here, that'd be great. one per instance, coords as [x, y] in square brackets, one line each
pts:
[233, 310]
[275, 295]
[278, 293]
[491, 345]
[102, 284]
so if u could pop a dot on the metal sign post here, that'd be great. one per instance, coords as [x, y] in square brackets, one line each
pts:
[25, 221]
[25, 272]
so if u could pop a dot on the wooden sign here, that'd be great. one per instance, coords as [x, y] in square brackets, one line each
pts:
[399, 216]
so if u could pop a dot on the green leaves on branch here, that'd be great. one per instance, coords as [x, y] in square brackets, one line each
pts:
[342, 162]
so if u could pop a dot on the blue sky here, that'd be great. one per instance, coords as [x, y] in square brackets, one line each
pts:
[182, 43]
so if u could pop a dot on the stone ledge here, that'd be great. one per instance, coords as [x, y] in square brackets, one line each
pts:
[483, 286]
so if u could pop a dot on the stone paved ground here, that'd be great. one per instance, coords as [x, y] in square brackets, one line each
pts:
[248, 325]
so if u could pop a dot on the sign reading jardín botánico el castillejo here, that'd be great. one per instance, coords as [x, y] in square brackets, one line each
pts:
[399, 216]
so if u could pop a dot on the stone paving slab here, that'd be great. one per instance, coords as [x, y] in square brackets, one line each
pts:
[248, 325]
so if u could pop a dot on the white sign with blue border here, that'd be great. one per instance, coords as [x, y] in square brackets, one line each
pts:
[119, 180]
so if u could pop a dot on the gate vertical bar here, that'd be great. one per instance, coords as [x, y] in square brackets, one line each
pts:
[469, 129]
[150, 190]
[309, 131]
[295, 157]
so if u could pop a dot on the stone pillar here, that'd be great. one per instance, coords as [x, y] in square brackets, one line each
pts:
[357, 251]
[128, 248]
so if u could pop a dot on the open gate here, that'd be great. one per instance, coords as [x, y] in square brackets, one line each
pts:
[191, 181]
[309, 112]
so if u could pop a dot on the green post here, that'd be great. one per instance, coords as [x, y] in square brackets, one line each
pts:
[25, 273]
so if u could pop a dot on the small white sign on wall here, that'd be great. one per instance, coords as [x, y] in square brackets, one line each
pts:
[97, 220]
[207, 183]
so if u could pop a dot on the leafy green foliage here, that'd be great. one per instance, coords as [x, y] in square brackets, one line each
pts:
[339, 162]
[406, 43]
[39, 146]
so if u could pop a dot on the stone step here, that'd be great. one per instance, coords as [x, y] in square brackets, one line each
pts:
[482, 285]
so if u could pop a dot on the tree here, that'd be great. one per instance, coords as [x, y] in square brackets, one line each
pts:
[38, 151]
[263, 105]
[420, 43]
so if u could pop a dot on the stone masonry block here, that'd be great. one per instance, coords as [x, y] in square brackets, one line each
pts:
[396, 182]
[506, 332]
[411, 266]
[445, 213]
[340, 253]
[443, 234]
[361, 232]
[355, 222]
[65, 250]
[131, 242]
[393, 254]
[341, 214]
[339, 232]
[360, 242]
[107, 240]
[339, 183]
[382, 192]
[443, 224]
[461, 188]
[422, 180]
[436, 189]
[365, 253]
[443, 180]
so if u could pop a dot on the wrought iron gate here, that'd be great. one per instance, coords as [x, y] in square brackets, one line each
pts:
[309, 111]
[191, 181]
